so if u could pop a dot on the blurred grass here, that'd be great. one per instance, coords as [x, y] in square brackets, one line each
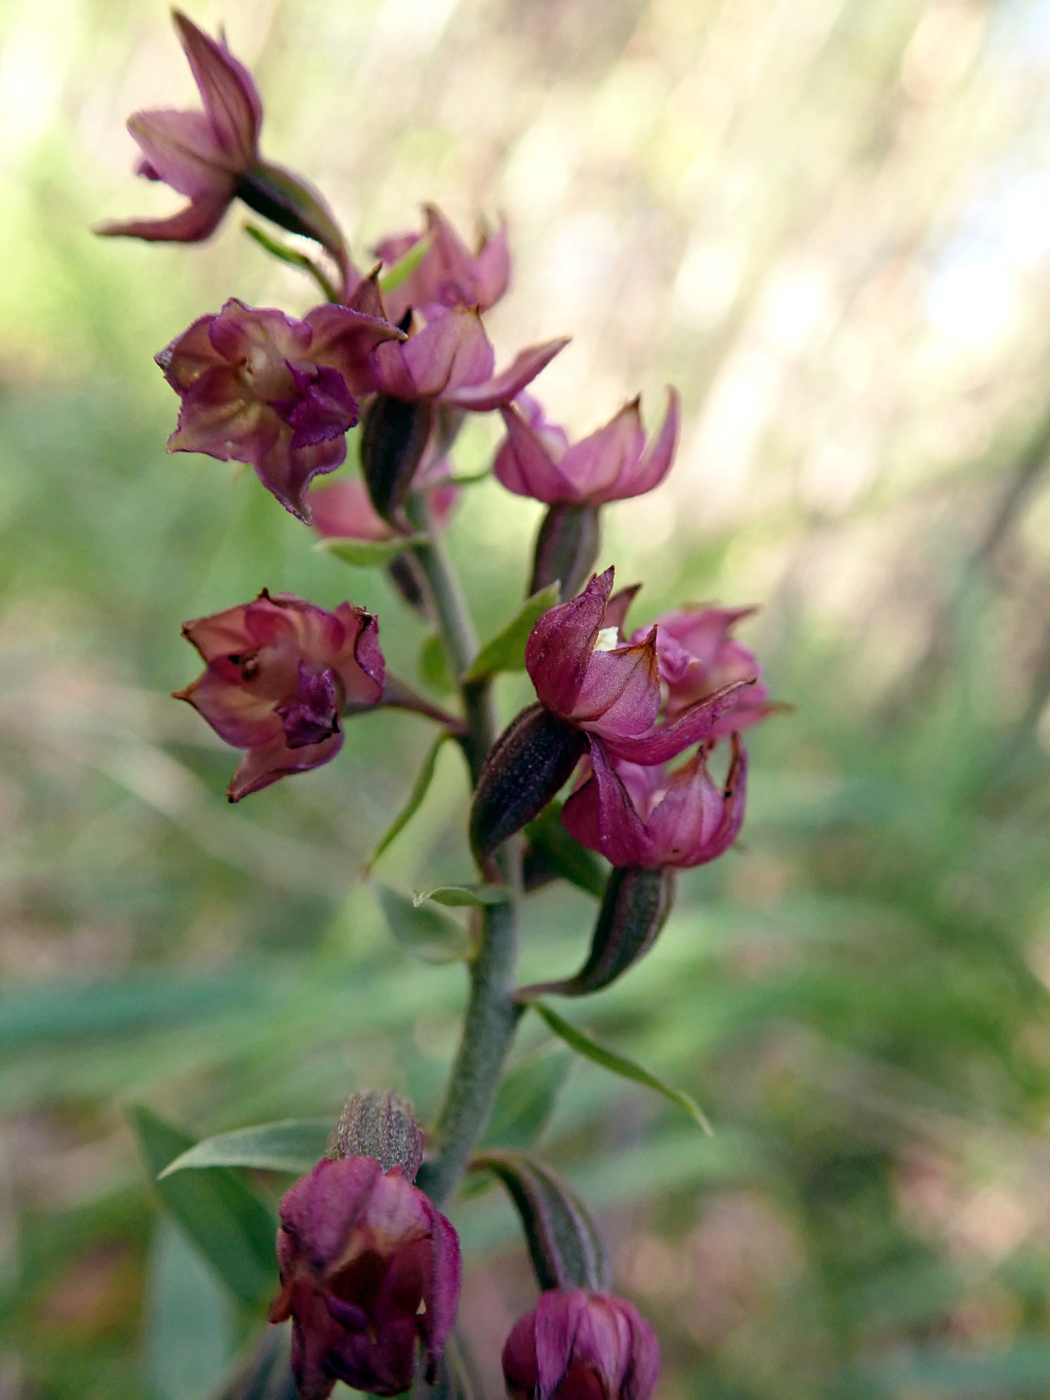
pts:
[827, 221]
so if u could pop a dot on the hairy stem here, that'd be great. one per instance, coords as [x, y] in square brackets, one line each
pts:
[492, 1015]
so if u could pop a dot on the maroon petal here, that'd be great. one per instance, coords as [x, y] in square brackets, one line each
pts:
[324, 410]
[602, 817]
[227, 90]
[197, 221]
[318, 1212]
[189, 355]
[442, 1297]
[481, 397]
[561, 644]
[312, 716]
[345, 339]
[261, 767]
[620, 694]
[558, 1318]
[240, 716]
[671, 739]
[287, 471]
[359, 660]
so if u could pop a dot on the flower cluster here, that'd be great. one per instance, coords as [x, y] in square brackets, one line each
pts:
[634, 720]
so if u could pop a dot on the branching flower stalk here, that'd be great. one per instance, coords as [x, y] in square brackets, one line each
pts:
[610, 762]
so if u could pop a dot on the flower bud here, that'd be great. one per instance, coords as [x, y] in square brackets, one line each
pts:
[528, 763]
[381, 1126]
[448, 275]
[369, 1267]
[634, 909]
[566, 547]
[395, 437]
[581, 1346]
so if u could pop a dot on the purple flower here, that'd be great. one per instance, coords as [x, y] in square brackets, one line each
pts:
[653, 818]
[535, 458]
[581, 1346]
[257, 386]
[203, 155]
[279, 673]
[448, 275]
[368, 1266]
[451, 361]
[584, 674]
[697, 655]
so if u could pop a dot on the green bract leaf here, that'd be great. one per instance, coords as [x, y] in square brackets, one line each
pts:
[229, 1225]
[293, 256]
[463, 896]
[415, 800]
[619, 1064]
[506, 651]
[295, 1145]
[526, 1100]
[403, 269]
[368, 554]
[434, 669]
[422, 930]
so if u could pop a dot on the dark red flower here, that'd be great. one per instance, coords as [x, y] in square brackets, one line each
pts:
[581, 1346]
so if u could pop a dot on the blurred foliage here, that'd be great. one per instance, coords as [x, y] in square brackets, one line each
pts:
[829, 222]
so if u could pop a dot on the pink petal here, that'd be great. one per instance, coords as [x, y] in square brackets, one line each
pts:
[671, 739]
[601, 815]
[189, 355]
[359, 660]
[481, 397]
[241, 332]
[492, 268]
[345, 339]
[221, 634]
[228, 92]
[239, 716]
[524, 465]
[217, 418]
[197, 221]
[342, 510]
[260, 767]
[558, 1317]
[650, 471]
[442, 1294]
[597, 464]
[682, 824]
[621, 690]
[287, 472]
[181, 150]
[321, 1209]
[449, 353]
[560, 646]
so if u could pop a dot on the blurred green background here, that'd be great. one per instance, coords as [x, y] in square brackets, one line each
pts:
[828, 221]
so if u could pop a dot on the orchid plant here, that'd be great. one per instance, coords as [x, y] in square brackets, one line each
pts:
[626, 721]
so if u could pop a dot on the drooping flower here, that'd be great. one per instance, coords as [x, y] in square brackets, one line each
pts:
[652, 818]
[368, 1268]
[259, 387]
[451, 361]
[213, 157]
[584, 674]
[581, 1345]
[448, 275]
[279, 673]
[612, 464]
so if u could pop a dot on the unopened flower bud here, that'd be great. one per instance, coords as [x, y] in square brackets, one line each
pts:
[567, 545]
[383, 1126]
[368, 1268]
[581, 1345]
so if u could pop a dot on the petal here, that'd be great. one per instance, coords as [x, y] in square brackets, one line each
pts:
[620, 694]
[319, 1212]
[525, 466]
[262, 766]
[316, 634]
[228, 92]
[481, 397]
[345, 340]
[343, 510]
[644, 1366]
[649, 471]
[239, 716]
[682, 824]
[602, 817]
[263, 336]
[180, 149]
[287, 471]
[561, 643]
[492, 268]
[671, 739]
[197, 221]
[519, 1358]
[359, 661]
[220, 634]
[558, 1318]
[189, 355]
[597, 464]
[217, 417]
[442, 1297]
[325, 410]
[616, 614]
[450, 352]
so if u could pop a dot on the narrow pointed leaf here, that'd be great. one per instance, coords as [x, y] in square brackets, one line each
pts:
[619, 1064]
[463, 896]
[229, 1225]
[295, 1145]
[368, 554]
[189, 1332]
[415, 800]
[422, 930]
[526, 1100]
[506, 651]
[564, 1245]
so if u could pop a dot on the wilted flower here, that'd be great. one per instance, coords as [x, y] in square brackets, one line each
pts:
[203, 155]
[257, 386]
[279, 673]
[583, 673]
[451, 361]
[535, 458]
[697, 655]
[581, 1346]
[655, 818]
[448, 275]
[368, 1266]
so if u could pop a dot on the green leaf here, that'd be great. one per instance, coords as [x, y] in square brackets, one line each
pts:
[230, 1226]
[463, 896]
[563, 854]
[403, 269]
[506, 651]
[415, 800]
[368, 554]
[526, 1100]
[619, 1064]
[189, 1339]
[296, 1145]
[422, 930]
[434, 669]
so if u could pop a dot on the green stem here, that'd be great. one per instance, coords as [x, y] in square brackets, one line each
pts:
[492, 1015]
